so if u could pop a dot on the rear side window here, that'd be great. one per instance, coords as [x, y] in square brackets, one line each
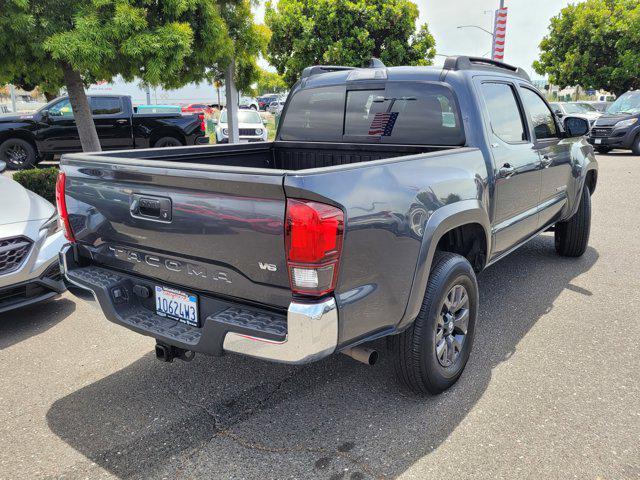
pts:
[105, 105]
[414, 113]
[315, 114]
[504, 113]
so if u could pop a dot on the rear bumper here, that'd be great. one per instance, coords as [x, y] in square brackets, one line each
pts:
[305, 333]
[201, 141]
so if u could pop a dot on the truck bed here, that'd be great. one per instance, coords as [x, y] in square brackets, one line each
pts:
[280, 155]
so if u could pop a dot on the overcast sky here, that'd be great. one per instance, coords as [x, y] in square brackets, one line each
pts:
[526, 25]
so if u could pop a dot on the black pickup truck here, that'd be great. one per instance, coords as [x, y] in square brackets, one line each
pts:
[25, 139]
[384, 193]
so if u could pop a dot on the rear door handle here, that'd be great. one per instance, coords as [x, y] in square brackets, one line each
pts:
[546, 161]
[122, 121]
[506, 171]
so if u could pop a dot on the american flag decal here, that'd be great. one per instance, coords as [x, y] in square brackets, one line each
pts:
[382, 124]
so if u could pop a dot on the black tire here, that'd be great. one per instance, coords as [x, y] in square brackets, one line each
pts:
[635, 146]
[167, 142]
[603, 150]
[572, 236]
[416, 361]
[18, 154]
[253, 107]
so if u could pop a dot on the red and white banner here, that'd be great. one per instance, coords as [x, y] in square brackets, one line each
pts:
[499, 34]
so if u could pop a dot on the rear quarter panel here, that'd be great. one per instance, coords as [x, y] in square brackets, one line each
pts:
[387, 205]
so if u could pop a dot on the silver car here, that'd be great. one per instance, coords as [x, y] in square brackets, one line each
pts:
[30, 240]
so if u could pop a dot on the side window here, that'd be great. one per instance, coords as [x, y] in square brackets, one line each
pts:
[504, 113]
[404, 113]
[315, 114]
[105, 105]
[544, 126]
[61, 109]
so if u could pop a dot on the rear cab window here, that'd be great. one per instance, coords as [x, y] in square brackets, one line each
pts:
[106, 105]
[407, 113]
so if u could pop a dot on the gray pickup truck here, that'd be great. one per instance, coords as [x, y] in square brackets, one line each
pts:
[384, 193]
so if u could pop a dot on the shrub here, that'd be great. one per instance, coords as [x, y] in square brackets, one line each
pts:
[39, 180]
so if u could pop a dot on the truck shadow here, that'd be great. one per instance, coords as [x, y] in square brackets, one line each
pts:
[234, 417]
[26, 322]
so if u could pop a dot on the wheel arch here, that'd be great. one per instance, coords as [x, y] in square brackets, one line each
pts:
[157, 134]
[22, 135]
[461, 227]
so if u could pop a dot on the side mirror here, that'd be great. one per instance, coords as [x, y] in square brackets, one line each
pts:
[576, 127]
[3, 165]
[559, 113]
[45, 114]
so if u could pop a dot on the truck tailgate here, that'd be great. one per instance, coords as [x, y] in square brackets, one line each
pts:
[203, 229]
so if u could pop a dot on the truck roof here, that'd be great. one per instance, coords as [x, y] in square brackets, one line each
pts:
[334, 75]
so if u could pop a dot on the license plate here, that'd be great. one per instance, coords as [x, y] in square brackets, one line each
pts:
[598, 140]
[178, 305]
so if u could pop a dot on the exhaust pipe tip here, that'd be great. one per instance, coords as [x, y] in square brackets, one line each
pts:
[368, 356]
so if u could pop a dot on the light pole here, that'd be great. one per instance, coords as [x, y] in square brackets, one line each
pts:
[498, 34]
[480, 28]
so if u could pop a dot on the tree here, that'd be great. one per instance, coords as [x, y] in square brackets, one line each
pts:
[168, 43]
[339, 32]
[270, 82]
[594, 44]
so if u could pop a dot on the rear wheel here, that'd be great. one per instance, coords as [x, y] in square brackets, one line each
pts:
[18, 154]
[167, 142]
[572, 236]
[430, 356]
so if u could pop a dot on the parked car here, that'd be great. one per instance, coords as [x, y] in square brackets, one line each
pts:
[576, 109]
[158, 109]
[248, 102]
[276, 106]
[250, 125]
[30, 240]
[265, 100]
[368, 216]
[619, 127]
[195, 108]
[27, 139]
[599, 106]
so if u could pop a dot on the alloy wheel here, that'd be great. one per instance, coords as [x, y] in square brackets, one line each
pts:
[16, 154]
[453, 322]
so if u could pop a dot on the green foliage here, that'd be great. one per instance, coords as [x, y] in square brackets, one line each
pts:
[339, 32]
[164, 43]
[39, 180]
[270, 82]
[594, 44]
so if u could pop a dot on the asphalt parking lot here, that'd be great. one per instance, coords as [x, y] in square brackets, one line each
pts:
[552, 390]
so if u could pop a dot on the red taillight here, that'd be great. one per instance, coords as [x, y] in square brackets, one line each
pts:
[313, 234]
[61, 202]
[203, 126]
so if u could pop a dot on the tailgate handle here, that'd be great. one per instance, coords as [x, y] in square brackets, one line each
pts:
[152, 208]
